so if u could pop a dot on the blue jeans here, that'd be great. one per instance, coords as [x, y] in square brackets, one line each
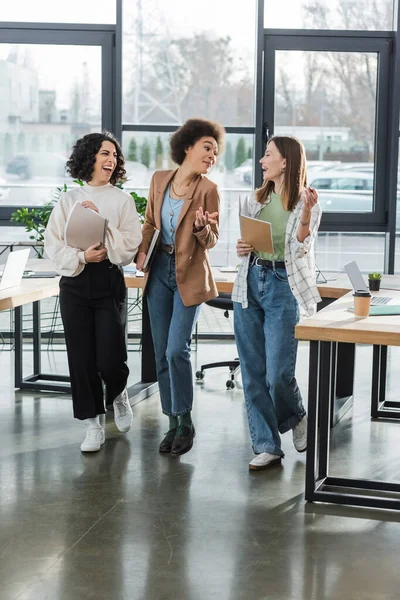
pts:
[172, 326]
[267, 350]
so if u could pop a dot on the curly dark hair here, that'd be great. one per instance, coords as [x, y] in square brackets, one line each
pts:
[81, 162]
[190, 133]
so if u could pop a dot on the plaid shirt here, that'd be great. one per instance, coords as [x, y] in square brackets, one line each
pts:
[299, 258]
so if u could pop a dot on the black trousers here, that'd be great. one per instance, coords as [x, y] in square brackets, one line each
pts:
[94, 310]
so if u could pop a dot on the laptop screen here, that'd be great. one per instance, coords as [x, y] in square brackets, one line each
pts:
[354, 273]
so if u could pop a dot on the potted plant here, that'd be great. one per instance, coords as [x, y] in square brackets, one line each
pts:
[374, 281]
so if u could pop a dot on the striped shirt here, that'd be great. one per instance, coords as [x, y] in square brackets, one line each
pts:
[299, 257]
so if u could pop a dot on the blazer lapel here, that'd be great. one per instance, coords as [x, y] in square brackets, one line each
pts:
[159, 196]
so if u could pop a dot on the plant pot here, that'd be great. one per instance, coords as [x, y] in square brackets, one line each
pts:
[374, 284]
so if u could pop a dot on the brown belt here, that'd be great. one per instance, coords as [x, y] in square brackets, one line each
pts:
[168, 248]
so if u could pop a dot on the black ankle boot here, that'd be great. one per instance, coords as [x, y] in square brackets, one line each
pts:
[167, 442]
[183, 441]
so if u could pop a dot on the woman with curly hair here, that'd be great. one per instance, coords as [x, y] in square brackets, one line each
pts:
[92, 287]
[184, 205]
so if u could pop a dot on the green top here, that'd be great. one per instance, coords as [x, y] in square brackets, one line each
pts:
[274, 213]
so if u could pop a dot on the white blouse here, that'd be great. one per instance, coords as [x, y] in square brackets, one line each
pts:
[123, 234]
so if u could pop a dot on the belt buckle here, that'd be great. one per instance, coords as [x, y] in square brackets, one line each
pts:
[171, 249]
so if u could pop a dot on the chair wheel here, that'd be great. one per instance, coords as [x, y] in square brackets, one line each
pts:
[200, 374]
[230, 384]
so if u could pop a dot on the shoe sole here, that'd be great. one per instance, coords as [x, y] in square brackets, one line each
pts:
[300, 451]
[183, 451]
[273, 463]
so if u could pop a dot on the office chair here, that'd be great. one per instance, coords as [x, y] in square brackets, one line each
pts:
[224, 302]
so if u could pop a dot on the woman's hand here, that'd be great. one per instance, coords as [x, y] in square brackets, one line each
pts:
[95, 254]
[204, 218]
[89, 204]
[141, 257]
[243, 248]
[310, 200]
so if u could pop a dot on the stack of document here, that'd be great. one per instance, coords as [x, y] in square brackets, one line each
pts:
[84, 228]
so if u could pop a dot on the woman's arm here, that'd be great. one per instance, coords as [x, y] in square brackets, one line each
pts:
[68, 261]
[310, 199]
[123, 242]
[206, 226]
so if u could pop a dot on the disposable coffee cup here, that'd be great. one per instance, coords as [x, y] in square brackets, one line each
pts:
[362, 302]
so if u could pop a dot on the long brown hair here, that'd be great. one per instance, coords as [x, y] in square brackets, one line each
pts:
[295, 179]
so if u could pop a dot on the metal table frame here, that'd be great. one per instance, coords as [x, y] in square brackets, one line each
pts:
[319, 485]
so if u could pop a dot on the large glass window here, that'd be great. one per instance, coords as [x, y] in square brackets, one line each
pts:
[181, 59]
[44, 108]
[367, 15]
[334, 249]
[46, 11]
[328, 100]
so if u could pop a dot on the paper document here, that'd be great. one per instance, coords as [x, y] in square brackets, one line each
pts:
[84, 228]
[257, 233]
[151, 250]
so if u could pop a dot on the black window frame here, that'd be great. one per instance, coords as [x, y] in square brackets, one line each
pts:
[379, 43]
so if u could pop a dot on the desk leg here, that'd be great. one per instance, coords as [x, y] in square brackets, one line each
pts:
[18, 341]
[38, 380]
[37, 339]
[343, 384]
[148, 384]
[149, 373]
[380, 407]
[313, 418]
[324, 401]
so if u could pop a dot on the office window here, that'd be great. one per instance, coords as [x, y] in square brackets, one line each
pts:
[183, 59]
[366, 15]
[51, 96]
[73, 11]
[334, 249]
[328, 101]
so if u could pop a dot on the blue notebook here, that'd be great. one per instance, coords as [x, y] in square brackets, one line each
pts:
[383, 309]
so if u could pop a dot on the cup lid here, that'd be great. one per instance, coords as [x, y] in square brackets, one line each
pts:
[362, 293]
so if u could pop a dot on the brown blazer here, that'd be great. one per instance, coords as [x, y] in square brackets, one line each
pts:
[193, 272]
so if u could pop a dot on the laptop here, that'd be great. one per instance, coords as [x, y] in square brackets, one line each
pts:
[14, 269]
[358, 283]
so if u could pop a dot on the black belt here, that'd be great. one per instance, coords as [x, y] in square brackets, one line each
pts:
[168, 248]
[271, 264]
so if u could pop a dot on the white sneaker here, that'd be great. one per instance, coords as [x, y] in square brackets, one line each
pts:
[264, 460]
[123, 416]
[94, 439]
[300, 435]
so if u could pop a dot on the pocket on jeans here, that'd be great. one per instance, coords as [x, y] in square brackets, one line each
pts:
[281, 275]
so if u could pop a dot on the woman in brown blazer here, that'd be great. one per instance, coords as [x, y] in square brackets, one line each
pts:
[184, 205]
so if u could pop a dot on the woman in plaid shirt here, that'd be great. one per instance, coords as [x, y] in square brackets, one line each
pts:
[269, 292]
